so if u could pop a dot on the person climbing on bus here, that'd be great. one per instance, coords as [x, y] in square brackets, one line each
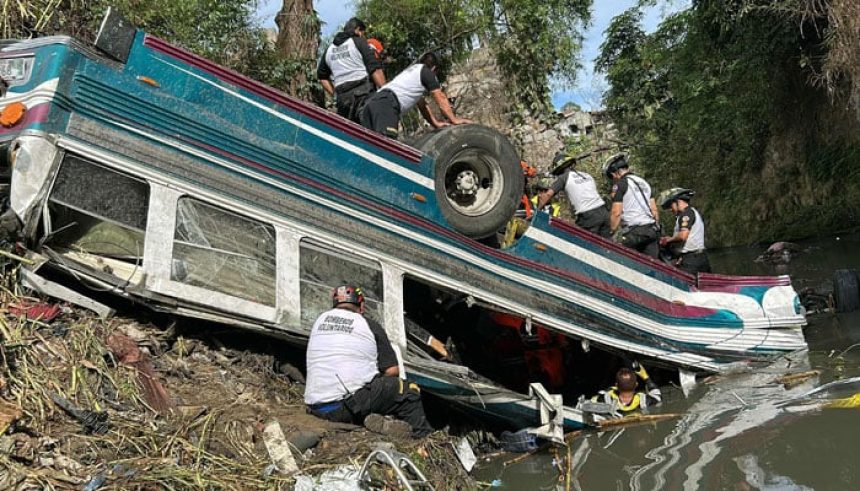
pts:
[353, 374]
[350, 70]
[582, 192]
[383, 109]
[623, 396]
[633, 217]
[689, 233]
[542, 185]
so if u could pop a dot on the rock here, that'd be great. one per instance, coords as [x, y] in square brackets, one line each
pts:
[303, 440]
[291, 372]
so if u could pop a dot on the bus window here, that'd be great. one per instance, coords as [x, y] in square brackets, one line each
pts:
[96, 210]
[222, 251]
[322, 269]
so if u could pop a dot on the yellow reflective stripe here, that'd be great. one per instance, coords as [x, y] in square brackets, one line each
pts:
[846, 403]
[634, 403]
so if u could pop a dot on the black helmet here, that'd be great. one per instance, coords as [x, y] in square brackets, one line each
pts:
[347, 294]
[612, 164]
[669, 196]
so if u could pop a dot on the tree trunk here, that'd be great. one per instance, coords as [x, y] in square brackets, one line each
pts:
[298, 41]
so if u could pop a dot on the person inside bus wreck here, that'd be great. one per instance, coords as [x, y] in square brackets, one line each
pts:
[624, 397]
[353, 374]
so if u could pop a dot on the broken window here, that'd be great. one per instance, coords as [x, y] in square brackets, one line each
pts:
[322, 269]
[98, 210]
[225, 252]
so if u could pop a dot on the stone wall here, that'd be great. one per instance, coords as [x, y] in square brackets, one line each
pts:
[480, 94]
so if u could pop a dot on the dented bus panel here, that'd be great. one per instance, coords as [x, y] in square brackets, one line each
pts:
[165, 178]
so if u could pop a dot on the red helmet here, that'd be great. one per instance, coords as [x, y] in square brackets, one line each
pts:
[347, 294]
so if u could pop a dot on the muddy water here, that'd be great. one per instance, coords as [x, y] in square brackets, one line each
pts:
[742, 431]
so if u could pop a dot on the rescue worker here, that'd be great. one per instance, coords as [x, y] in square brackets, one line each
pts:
[350, 71]
[383, 109]
[542, 185]
[582, 192]
[633, 217]
[623, 396]
[689, 233]
[352, 370]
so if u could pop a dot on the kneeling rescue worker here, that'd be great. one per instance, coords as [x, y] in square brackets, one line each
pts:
[624, 397]
[689, 232]
[353, 370]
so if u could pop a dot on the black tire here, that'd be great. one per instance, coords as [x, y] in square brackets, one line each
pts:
[479, 180]
[846, 290]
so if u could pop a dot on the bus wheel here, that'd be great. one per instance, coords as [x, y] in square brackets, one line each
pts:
[846, 290]
[478, 180]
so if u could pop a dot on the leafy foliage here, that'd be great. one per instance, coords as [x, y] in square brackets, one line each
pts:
[718, 99]
[532, 39]
[220, 30]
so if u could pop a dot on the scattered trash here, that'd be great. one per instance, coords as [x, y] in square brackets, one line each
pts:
[278, 448]
[127, 352]
[779, 253]
[465, 454]
[343, 478]
[638, 419]
[104, 372]
[408, 474]
[793, 379]
[519, 441]
[94, 422]
[36, 283]
[44, 312]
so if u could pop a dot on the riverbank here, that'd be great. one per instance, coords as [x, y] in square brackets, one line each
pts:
[149, 405]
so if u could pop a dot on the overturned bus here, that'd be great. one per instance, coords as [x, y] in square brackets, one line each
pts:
[142, 169]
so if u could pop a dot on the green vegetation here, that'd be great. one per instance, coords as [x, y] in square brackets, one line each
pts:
[727, 98]
[223, 31]
[532, 39]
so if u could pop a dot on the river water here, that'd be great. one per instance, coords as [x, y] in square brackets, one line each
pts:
[740, 431]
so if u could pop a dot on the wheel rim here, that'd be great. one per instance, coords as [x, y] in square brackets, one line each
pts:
[473, 182]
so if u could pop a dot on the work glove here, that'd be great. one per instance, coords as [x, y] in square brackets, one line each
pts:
[640, 370]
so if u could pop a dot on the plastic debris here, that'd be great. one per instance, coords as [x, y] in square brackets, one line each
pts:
[465, 454]
[519, 441]
[44, 312]
[94, 422]
[126, 351]
[343, 478]
[278, 448]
